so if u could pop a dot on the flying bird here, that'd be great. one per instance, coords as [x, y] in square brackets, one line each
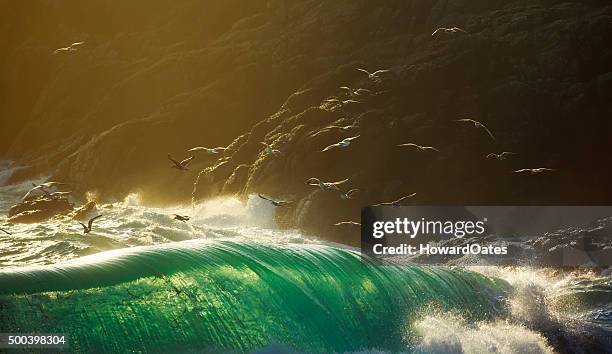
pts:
[347, 223]
[396, 203]
[342, 144]
[277, 203]
[344, 128]
[210, 151]
[6, 232]
[375, 76]
[182, 165]
[348, 195]
[269, 150]
[534, 171]
[326, 186]
[354, 93]
[447, 31]
[183, 218]
[71, 48]
[501, 156]
[87, 228]
[477, 124]
[419, 147]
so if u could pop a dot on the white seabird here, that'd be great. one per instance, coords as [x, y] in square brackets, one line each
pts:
[71, 48]
[342, 144]
[210, 151]
[419, 147]
[277, 203]
[375, 76]
[326, 186]
[477, 124]
[397, 202]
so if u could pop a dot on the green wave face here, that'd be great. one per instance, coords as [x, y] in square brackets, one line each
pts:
[237, 297]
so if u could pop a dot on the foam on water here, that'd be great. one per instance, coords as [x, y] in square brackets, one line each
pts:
[129, 224]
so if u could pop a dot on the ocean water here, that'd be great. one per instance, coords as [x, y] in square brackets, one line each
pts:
[231, 281]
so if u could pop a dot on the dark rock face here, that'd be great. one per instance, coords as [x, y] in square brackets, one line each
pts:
[39, 209]
[538, 75]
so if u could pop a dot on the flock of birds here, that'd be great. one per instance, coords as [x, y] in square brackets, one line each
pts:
[352, 94]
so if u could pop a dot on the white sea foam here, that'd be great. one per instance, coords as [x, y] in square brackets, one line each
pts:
[450, 334]
[128, 224]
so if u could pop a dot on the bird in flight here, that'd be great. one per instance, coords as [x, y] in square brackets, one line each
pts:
[501, 156]
[342, 144]
[396, 203]
[477, 124]
[210, 151]
[534, 171]
[447, 31]
[87, 228]
[347, 223]
[419, 147]
[269, 150]
[326, 186]
[183, 218]
[277, 203]
[355, 92]
[6, 232]
[375, 76]
[344, 128]
[182, 165]
[71, 48]
[348, 195]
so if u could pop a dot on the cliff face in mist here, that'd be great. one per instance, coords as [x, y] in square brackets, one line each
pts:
[163, 77]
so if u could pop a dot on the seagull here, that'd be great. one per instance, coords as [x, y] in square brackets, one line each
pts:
[326, 186]
[6, 232]
[396, 203]
[180, 165]
[345, 128]
[269, 150]
[477, 124]
[87, 228]
[355, 93]
[342, 144]
[534, 171]
[501, 156]
[348, 195]
[351, 223]
[419, 147]
[210, 151]
[277, 203]
[183, 218]
[448, 31]
[375, 76]
[71, 48]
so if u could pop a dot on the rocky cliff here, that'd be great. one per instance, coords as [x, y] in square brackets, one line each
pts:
[160, 77]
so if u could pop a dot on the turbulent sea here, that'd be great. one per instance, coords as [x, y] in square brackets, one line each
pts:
[230, 281]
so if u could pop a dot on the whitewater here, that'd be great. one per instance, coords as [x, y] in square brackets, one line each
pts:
[231, 281]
